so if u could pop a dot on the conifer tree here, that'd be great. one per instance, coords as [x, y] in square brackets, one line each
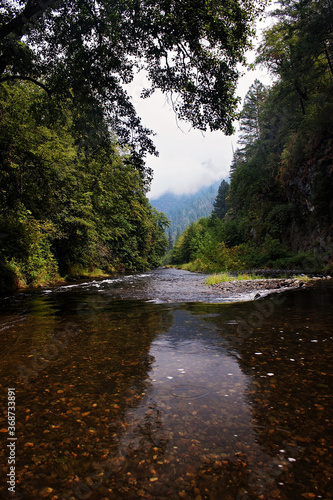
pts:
[250, 123]
[220, 208]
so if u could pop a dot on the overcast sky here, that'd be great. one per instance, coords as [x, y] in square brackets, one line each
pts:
[188, 159]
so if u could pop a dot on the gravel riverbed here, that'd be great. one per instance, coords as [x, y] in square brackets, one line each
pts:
[262, 287]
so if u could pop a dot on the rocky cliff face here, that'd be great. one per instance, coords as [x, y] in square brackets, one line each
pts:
[308, 184]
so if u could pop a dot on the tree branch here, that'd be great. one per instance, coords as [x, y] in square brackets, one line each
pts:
[29, 79]
[33, 9]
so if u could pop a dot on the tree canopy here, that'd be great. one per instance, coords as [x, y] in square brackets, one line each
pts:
[67, 206]
[73, 175]
[85, 49]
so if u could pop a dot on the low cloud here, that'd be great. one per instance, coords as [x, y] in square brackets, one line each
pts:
[188, 159]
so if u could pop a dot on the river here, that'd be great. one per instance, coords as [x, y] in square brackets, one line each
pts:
[152, 386]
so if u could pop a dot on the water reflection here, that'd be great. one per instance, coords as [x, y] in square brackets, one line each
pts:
[288, 359]
[172, 400]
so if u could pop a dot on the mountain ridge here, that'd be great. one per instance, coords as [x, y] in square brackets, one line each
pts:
[184, 209]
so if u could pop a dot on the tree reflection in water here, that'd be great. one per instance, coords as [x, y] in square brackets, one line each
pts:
[165, 401]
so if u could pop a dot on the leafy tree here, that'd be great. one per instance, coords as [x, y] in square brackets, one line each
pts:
[299, 47]
[26, 249]
[87, 51]
[68, 199]
[183, 250]
[37, 152]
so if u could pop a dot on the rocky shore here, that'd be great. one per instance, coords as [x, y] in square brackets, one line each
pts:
[262, 287]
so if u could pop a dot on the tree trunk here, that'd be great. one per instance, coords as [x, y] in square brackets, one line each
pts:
[328, 59]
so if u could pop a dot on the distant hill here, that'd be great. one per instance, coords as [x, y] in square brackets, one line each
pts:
[183, 209]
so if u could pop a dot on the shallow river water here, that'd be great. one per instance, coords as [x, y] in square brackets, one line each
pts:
[152, 386]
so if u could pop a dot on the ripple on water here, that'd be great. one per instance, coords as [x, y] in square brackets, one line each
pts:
[189, 391]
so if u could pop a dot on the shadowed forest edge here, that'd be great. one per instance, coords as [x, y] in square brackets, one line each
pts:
[73, 175]
[277, 211]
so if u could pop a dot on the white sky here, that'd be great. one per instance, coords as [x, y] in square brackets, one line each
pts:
[188, 159]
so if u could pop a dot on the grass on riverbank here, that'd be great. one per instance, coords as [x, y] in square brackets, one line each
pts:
[14, 276]
[223, 277]
[77, 271]
[246, 257]
[301, 277]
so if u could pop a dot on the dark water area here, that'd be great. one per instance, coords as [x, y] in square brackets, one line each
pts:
[152, 386]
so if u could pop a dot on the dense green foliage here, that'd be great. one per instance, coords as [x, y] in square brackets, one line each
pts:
[73, 177]
[88, 48]
[280, 201]
[182, 210]
[71, 199]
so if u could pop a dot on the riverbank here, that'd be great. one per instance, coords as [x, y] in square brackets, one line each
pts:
[170, 285]
[12, 282]
[256, 282]
[263, 286]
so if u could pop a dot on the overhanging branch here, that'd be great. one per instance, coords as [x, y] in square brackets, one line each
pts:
[32, 10]
[29, 79]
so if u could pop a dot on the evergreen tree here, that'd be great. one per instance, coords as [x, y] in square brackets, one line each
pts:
[220, 207]
[251, 120]
[170, 241]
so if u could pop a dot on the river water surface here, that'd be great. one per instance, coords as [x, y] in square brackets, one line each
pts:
[152, 386]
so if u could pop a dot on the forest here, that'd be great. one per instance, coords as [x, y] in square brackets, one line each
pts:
[69, 208]
[74, 175]
[73, 171]
[182, 209]
[277, 210]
